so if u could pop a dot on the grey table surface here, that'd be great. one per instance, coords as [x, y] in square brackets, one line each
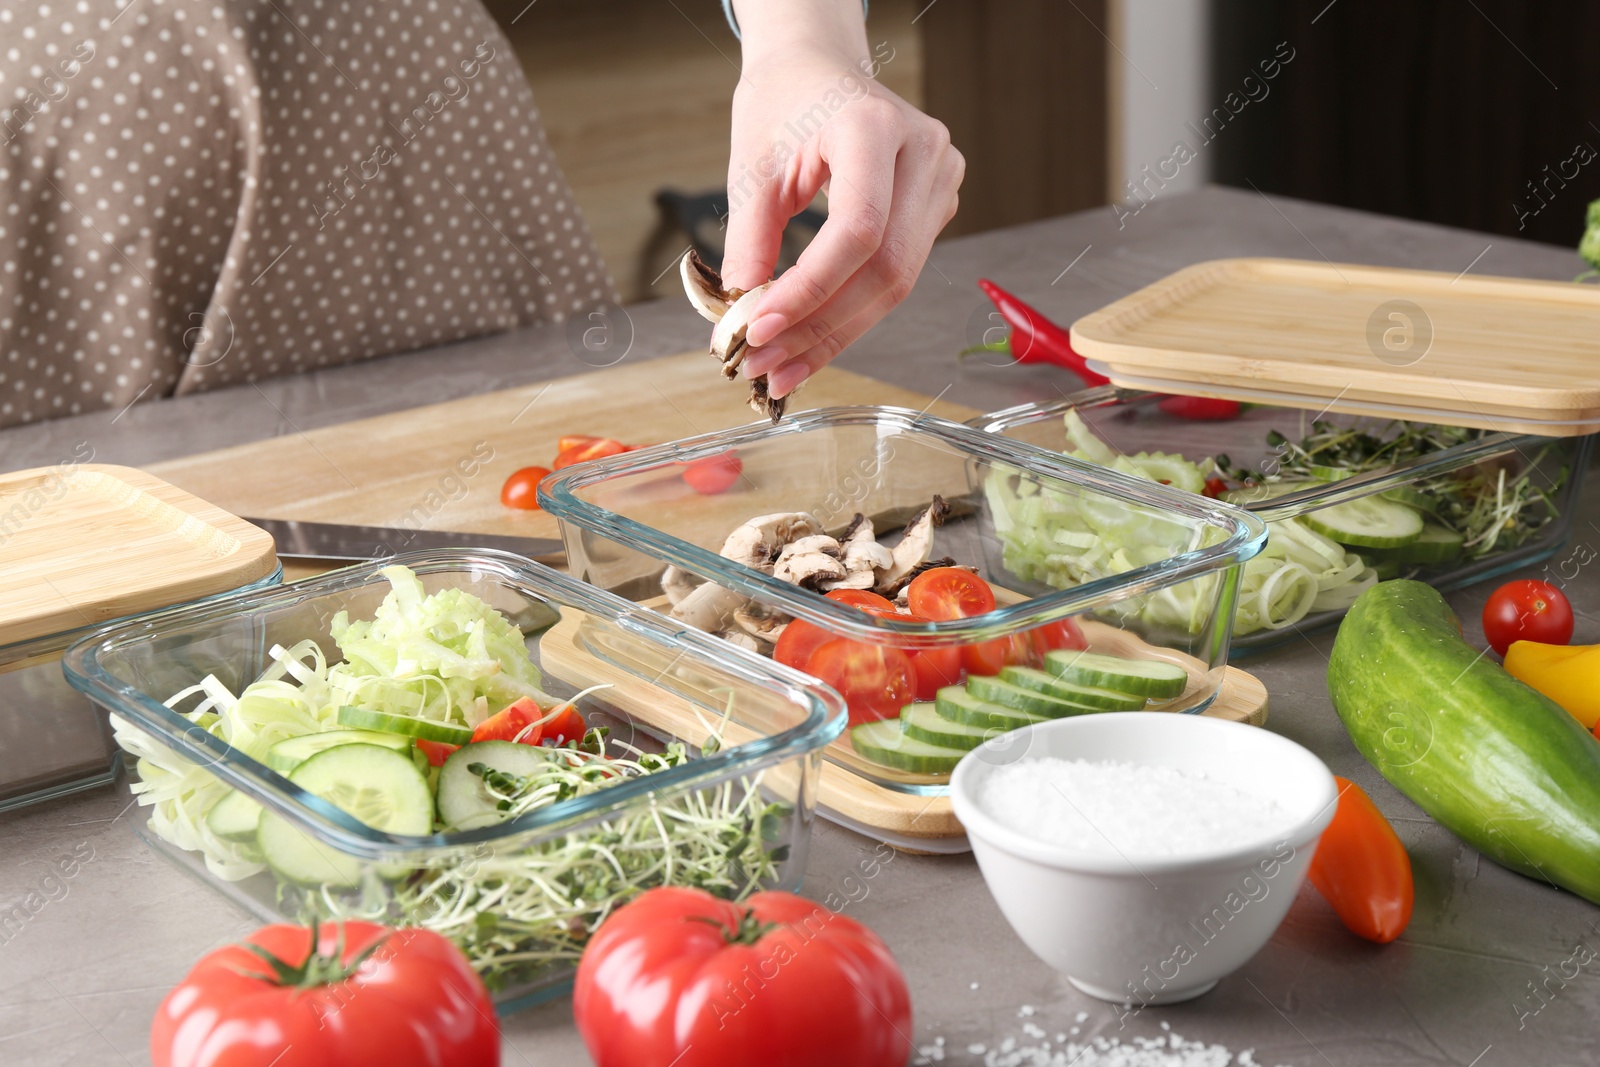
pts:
[80, 981]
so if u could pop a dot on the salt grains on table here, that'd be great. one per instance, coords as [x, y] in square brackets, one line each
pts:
[1111, 808]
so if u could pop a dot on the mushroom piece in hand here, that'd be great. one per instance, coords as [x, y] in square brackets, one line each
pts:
[731, 310]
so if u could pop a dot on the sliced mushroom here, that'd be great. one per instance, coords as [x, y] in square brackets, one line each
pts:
[810, 561]
[896, 590]
[864, 558]
[704, 287]
[761, 621]
[708, 607]
[744, 640]
[757, 542]
[916, 544]
[731, 310]
[678, 584]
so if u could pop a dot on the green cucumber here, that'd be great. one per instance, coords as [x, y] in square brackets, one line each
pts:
[1330, 474]
[374, 784]
[1412, 498]
[289, 753]
[235, 817]
[923, 722]
[1496, 763]
[956, 704]
[404, 725]
[1370, 522]
[1437, 544]
[995, 691]
[1147, 679]
[464, 801]
[885, 742]
[1106, 698]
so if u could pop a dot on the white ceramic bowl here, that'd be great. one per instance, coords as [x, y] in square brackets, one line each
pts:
[1150, 929]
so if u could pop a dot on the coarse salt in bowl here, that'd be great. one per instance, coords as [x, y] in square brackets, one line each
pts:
[1145, 856]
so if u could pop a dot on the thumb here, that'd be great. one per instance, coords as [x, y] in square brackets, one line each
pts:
[756, 219]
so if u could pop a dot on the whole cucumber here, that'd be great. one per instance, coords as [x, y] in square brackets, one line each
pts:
[1498, 764]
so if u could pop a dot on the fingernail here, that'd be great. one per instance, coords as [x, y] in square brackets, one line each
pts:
[786, 379]
[761, 360]
[765, 329]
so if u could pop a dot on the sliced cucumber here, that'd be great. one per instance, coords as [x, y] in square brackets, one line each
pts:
[1371, 522]
[1330, 474]
[956, 704]
[886, 742]
[404, 725]
[1007, 695]
[377, 785]
[1255, 494]
[464, 802]
[235, 817]
[1412, 498]
[1050, 685]
[1146, 678]
[1437, 544]
[289, 753]
[922, 722]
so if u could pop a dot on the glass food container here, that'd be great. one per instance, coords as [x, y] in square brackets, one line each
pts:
[1171, 559]
[730, 809]
[81, 545]
[1482, 503]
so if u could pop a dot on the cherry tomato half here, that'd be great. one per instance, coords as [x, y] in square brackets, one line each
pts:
[599, 448]
[521, 489]
[861, 598]
[876, 681]
[1214, 487]
[936, 668]
[713, 474]
[798, 640]
[1063, 633]
[436, 751]
[1527, 610]
[573, 440]
[945, 593]
[986, 657]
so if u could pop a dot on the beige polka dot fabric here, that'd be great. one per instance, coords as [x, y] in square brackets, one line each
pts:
[196, 193]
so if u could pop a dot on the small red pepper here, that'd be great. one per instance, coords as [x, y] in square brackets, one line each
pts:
[1035, 339]
[1201, 408]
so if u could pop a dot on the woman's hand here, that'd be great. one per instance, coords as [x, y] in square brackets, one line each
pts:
[808, 116]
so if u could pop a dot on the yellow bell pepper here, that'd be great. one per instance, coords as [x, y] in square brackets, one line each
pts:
[1567, 674]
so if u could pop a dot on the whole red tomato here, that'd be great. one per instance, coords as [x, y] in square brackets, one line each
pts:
[400, 998]
[680, 978]
[1527, 610]
[521, 489]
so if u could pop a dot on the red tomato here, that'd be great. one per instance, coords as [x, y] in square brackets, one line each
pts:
[414, 1001]
[1527, 610]
[1215, 487]
[680, 978]
[599, 448]
[861, 598]
[436, 751]
[520, 490]
[1361, 868]
[713, 474]
[986, 657]
[567, 725]
[876, 681]
[513, 723]
[1201, 408]
[573, 440]
[945, 593]
[798, 640]
[1063, 633]
[936, 668]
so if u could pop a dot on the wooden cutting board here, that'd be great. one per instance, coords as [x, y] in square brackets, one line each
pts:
[1506, 353]
[441, 467]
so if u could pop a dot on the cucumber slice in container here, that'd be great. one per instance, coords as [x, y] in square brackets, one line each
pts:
[1103, 698]
[922, 722]
[377, 785]
[1147, 679]
[1436, 544]
[1370, 522]
[289, 753]
[1007, 695]
[885, 742]
[464, 801]
[234, 818]
[959, 706]
[1330, 474]
[404, 725]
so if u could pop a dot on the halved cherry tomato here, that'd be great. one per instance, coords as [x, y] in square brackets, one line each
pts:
[713, 474]
[860, 598]
[573, 440]
[510, 722]
[436, 751]
[945, 593]
[876, 681]
[986, 657]
[936, 668]
[798, 640]
[520, 490]
[567, 725]
[1063, 633]
[1214, 487]
[599, 448]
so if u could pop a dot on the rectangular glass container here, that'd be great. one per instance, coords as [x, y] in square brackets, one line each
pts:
[627, 518]
[1132, 421]
[511, 895]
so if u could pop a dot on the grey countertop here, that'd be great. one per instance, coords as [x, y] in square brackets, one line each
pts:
[80, 980]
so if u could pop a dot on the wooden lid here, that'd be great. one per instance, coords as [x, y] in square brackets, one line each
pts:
[81, 544]
[1497, 353]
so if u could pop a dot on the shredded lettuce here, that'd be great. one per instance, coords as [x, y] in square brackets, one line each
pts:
[446, 656]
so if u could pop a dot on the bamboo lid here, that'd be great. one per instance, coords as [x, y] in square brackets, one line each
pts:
[84, 543]
[1494, 353]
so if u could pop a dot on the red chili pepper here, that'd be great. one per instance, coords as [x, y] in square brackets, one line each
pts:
[1201, 408]
[1035, 339]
